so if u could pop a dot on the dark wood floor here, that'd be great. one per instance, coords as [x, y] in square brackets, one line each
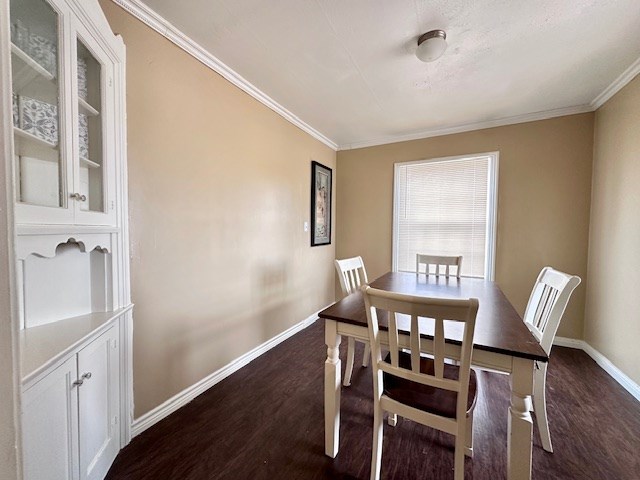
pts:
[266, 422]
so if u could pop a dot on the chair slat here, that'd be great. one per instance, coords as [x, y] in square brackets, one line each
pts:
[414, 341]
[542, 302]
[543, 306]
[549, 308]
[438, 344]
[547, 305]
[393, 339]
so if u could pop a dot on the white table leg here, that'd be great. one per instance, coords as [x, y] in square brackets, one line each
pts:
[520, 431]
[332, 389]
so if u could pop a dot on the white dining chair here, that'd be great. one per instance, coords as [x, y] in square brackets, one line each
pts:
[437, 262]
[352, 275]
[546, 306]
[421, 389]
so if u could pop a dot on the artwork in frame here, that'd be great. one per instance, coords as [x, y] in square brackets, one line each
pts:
[321, 178]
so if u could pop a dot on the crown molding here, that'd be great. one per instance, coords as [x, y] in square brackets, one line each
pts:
[152, 19]
[617, 85]
[501, 122]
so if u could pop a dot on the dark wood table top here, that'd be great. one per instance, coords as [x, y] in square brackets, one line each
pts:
[499, 328]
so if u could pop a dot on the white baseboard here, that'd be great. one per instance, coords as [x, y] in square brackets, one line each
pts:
[629, 385]
[569, 342]
[180, 399]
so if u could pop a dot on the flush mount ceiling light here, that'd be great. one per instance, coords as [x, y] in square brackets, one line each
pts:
[431, 45]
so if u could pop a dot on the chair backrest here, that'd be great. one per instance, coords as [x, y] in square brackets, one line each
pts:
[547, 303]
[438, 309]
[438, 261]
[352, 274]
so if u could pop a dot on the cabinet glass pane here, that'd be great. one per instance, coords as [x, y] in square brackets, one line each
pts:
[90, 130]
[36, 113]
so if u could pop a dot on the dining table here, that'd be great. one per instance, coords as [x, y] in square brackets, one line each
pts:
[501, 342]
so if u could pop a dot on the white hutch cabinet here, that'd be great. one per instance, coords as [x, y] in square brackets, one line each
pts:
[68, 140]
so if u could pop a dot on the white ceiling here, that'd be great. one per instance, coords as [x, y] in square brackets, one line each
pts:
[347, 68]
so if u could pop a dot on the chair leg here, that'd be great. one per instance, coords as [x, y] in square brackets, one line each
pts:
[540, 406]
[348, 369]
[392, 419]
[367, 354]
[376, 452]
[458, 472]
[468, 449]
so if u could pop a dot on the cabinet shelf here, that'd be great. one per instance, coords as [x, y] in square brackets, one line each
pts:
[86, 108]
[30, 62]
[30, 137]
[85, 162]
[32, 79]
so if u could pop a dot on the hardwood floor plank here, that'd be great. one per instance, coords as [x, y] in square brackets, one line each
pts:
[266, 422]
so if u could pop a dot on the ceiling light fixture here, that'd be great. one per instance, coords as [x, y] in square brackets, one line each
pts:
[431, 45]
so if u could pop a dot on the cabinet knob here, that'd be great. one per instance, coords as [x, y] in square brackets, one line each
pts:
[80, 381]
[78, 196]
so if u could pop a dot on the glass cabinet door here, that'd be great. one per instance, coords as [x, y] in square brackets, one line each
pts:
[37, 125]
[93, 130]
[90, 131]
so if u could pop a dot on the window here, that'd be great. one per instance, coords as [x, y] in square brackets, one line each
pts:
[446, 206]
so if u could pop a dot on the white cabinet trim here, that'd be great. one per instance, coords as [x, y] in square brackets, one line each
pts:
[45, 245]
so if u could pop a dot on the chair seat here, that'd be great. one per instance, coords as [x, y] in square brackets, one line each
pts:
[423, 397]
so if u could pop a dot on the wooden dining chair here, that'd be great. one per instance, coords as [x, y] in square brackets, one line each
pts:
[546, 306]
[352, 275]
[425, 390]
[438, 261]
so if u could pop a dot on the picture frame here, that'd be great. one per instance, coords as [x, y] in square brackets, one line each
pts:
[321, 191]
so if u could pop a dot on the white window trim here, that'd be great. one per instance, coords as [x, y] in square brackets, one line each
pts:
[492, 208]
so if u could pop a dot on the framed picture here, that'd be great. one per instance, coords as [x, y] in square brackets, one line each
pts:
[321, 178]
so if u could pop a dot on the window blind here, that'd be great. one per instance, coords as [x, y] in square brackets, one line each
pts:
[441, 209]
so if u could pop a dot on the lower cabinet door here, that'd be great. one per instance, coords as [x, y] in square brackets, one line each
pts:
[98, 405]
[50, 425]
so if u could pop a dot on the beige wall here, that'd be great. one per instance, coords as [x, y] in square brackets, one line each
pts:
[219, 190]
[543, 201]
[612, 323]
